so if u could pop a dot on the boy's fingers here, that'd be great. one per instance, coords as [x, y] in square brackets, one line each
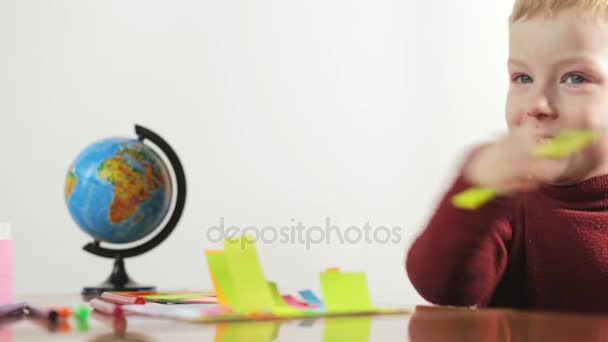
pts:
[546, 170]
[518, 185]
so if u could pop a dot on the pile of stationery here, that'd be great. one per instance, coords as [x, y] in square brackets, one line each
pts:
[245, 294]
[241, 292]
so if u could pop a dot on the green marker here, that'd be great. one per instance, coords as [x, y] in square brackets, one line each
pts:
[473, 198]
[563, 145]
[82, 318]
[566, 143]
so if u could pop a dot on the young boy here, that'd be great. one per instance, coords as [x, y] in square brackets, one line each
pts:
[542, 244]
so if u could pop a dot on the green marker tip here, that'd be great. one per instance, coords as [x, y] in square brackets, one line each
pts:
[566, 143]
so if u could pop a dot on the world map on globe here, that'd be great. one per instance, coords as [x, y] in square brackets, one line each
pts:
[118, 190]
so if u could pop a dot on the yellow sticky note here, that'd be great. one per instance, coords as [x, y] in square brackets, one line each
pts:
[250, 285]
[352, 329]
[473, 198]
[565, 143]
[246, 332]
[345, 292]
[221, 277]
[333, 269]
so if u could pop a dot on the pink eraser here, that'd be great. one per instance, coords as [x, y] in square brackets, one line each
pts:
[6, 264]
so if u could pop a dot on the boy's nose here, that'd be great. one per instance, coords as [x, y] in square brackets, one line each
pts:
[541, 109]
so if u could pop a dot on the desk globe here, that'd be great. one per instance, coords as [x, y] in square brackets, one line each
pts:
[119, 191]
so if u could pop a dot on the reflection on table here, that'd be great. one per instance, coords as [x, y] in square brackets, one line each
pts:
[460, 324]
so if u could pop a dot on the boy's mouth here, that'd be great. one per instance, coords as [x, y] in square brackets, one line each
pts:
[542, 138]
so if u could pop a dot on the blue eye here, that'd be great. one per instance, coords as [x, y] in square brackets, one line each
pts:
[576, 79]
[523, 79]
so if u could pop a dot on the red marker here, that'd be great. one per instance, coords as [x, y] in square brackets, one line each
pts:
[118, 323]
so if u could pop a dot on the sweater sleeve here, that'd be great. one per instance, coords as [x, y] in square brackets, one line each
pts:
[461, 256]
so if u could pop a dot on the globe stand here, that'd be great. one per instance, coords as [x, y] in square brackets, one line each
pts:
[119, 280]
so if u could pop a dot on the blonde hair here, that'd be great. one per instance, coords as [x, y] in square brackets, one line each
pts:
[525, 9]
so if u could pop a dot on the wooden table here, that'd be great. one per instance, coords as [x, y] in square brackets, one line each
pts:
[424, 324]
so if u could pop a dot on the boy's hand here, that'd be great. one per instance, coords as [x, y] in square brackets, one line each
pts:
[509, 165]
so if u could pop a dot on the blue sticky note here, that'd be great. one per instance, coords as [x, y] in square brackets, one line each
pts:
[311, 299]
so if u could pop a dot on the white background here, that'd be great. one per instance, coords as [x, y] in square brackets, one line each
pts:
[280, 110]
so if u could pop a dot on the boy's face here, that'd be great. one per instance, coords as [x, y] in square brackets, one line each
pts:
[558, 71]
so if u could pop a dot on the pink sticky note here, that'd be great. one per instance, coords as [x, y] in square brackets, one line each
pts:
[216, 310]
[292, 301]
[6, 265]
[6, 333]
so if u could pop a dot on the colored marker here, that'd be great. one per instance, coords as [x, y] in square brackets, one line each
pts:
[81, 313]
[44, 324]
[122, 299]
[63, 326]
[473, 198]
[118, 323]
[42, 313]
[565, 143]
[562, 145]
[12, 310]
[64, 311]
[82, 318]
[106, 307]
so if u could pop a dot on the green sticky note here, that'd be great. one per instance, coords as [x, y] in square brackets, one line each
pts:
[248, 278]
[247, 332]
[352, 329]
[345, 292]
[277, 300]
[566, 143]
[222, 279]
[473, 198]
[280, 307]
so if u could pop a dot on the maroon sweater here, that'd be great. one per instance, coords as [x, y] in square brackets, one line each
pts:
[543, 250]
